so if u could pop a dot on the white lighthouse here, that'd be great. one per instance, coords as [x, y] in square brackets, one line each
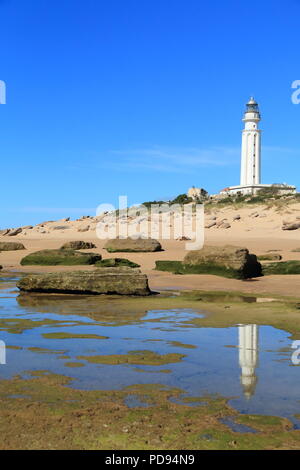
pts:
[251, 146]
[250, 181]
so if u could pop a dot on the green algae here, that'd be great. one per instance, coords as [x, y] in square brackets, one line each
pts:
[145, 357]
[53, 415]
[178, 344]
[44, 350]
[63, 335]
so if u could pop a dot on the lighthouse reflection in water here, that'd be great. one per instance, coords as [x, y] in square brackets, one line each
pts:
[248, 358]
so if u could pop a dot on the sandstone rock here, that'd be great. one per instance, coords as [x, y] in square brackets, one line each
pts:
[14, 232]
[60, 257]
[237, 217]
[232, 259]
[78, 245]
[11, 246]
[221, 222]
[4, 232]
[84, 229]
[292, 226]
[116, 263]
[210, 224]
[122, 281]
[225, 225]
[60, 227]
[132, 245]
[269, 257]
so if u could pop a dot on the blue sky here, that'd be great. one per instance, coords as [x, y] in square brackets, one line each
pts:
[140, 98]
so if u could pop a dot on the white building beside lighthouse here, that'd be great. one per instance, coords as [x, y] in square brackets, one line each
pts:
[250, 180]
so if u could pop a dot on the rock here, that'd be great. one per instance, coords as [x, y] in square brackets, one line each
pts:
[27, 227]
[210, 224]
[221, 222]
[60, 227]
[115, 263]
[237, 217]
[4, 232]
[269, 257]
[78, 245]
[122, 281]
[292, 226]
[225, 225]
[11, 246]
[14, 232]
[132, 245]
[84, 229]
[183, 239]
[233, 261]
[60, 257]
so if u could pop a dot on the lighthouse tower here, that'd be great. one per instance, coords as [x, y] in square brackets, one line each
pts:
[251, 146]
[250, 182]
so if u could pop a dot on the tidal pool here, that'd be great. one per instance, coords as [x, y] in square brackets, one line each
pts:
[102, 348]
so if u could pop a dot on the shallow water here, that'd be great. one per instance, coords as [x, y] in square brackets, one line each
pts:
[249, 364]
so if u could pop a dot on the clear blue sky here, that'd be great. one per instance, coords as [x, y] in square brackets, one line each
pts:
[140, 97]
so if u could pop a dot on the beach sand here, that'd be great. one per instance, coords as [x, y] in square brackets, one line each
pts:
[259, 234]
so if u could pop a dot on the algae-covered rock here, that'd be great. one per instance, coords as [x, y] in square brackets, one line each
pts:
[11, 246]
[116, 262]
[60, 257]
[122, 281]
[132, 245]
[229, 261]
[283, 267]
[269, 257]
[78, 245]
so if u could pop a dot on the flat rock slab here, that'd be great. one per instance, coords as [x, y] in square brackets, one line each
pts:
[132, 245]
[11, 246]
[60, 258]
[121, 281]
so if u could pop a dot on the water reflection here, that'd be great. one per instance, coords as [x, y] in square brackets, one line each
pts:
[217, 360]
[248, 358]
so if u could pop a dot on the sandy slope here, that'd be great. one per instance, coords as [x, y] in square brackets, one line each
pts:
[258, 233]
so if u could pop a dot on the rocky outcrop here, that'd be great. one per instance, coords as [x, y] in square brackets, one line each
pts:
[84, 229]
[60, 257]
[11, 246]
[132, 245]
[229, 259]
[60, 227]
[116, 262]
[121, 281]
[291, 226]
[78, 245]
[14, 232]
